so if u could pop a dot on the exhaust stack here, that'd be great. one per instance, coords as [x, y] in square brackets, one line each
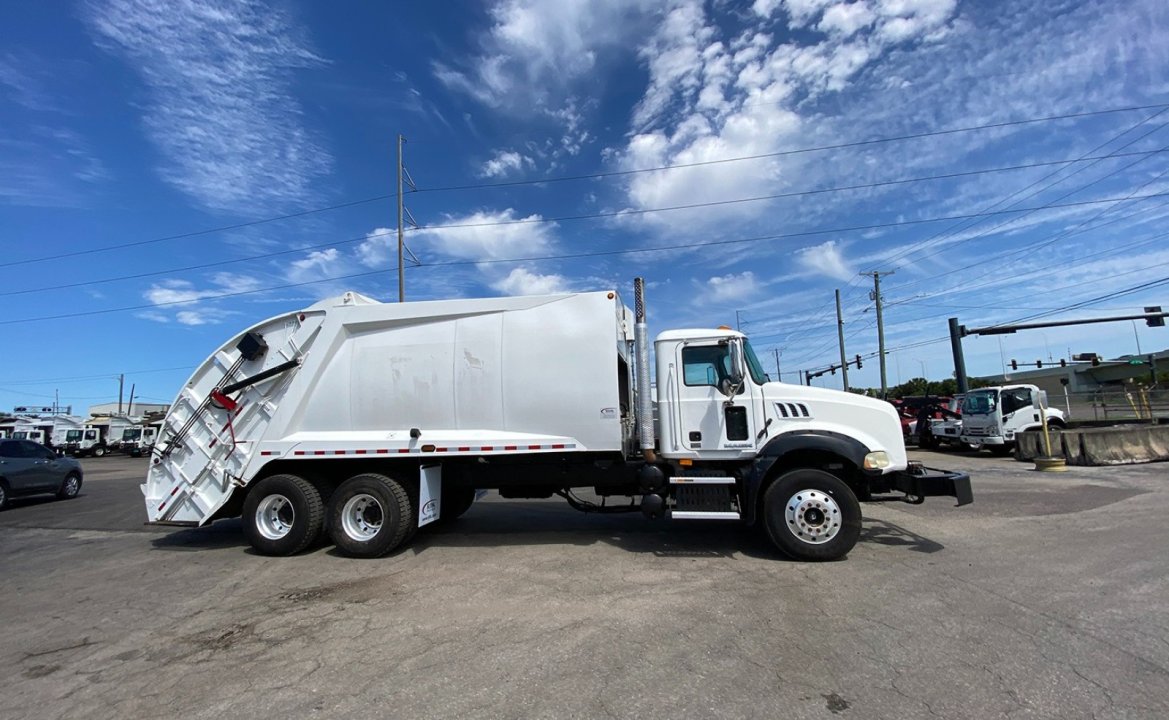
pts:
[645, 408]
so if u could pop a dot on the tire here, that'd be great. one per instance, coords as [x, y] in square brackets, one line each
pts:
[3, 494]
[99, 451]
[798, 511]
[283, 515]
[70, 487]
[370, 515]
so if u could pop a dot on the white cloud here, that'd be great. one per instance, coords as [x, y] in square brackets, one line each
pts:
[535, 50]
[504, 162]
[193, 317]
[521, 281]
[220, 106]
[731, 288]
[825, 259]
[317, 265]
[846, 18]
[481, 235]
[176, 292]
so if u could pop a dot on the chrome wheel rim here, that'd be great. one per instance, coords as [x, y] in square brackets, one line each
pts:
[813, 516]
[275, 517]
[71, 486]
[362, 517]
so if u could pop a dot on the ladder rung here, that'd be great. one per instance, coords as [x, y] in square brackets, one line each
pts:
[686, 480]
[703, 515]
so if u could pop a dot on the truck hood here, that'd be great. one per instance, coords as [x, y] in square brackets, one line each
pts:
[871, 421]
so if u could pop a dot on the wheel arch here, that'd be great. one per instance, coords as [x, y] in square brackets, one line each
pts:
[835, 453]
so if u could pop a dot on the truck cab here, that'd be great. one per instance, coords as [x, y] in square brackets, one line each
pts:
[717, 404]
[993, 417]
[138, 440]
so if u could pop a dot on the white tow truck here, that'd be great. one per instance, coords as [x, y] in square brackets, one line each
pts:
[368, 420]
[992, 417]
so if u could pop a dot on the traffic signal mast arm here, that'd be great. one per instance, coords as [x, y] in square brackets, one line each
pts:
[809, 374]
[1152, 316]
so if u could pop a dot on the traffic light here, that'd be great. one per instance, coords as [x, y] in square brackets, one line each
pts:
[1154, 321]
[858, 362]
[1014, 365]
[1063, 363]
[1038, 363]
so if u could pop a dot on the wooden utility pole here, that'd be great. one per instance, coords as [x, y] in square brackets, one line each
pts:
[840, 336]
[875, 295]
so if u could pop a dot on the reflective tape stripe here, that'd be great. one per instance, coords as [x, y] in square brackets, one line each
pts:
[407, 451]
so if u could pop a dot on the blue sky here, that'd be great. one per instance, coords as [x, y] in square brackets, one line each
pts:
[145, 145]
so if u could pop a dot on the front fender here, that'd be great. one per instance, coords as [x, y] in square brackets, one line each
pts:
[826, 441]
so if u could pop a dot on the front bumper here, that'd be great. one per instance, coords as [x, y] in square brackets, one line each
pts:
[920, 482]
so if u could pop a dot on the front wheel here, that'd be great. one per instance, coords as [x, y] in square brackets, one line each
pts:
[282, 515]
[812, 515]
[99, 451]
[70, 486]
[370, 515]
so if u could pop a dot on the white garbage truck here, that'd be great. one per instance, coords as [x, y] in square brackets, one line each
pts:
[366, 420]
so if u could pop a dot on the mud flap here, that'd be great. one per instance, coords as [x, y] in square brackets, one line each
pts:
[430, 495]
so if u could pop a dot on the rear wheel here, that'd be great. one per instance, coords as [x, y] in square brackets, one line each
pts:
[370, 515]
[99, 451]
[70, 486]
[812, 515]
[282, 515]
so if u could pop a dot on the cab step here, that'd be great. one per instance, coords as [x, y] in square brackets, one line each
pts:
[704, 498]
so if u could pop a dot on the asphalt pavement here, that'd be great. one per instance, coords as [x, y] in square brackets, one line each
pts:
[1046, 598]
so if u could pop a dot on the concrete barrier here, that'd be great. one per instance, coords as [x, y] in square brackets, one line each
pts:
[1118, 445]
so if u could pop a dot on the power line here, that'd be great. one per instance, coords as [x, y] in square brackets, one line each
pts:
[800, 193]
[590, 176]
[1086, 157]
[569, 256]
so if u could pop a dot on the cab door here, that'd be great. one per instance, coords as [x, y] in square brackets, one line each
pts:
[713, 413]
[1016, 405]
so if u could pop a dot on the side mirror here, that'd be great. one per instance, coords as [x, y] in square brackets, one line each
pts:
[738, 369]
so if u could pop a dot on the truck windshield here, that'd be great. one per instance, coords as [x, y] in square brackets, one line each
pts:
[753, 365]
[20, 435]
[72, 435]
[133, 434]
[981, 402]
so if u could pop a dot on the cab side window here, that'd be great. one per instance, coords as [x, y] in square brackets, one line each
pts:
[705, 365]
[1015, 399]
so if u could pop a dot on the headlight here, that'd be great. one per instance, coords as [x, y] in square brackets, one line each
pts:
[878, 460]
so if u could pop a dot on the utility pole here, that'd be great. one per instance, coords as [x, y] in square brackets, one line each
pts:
[121, 380]
[778, 374]
[876, 297]
[401, 206]
[840, 335]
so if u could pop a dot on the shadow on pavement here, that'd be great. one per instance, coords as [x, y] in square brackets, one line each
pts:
[519, 523]
[882, 532]
[219, 534]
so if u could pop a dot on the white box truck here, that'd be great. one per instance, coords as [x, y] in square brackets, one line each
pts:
[366, 421]
[993, 416]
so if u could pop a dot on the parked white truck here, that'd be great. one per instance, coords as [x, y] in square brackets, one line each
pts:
[87, 440]
[992, 417]
[139, 439]
[367, 420]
